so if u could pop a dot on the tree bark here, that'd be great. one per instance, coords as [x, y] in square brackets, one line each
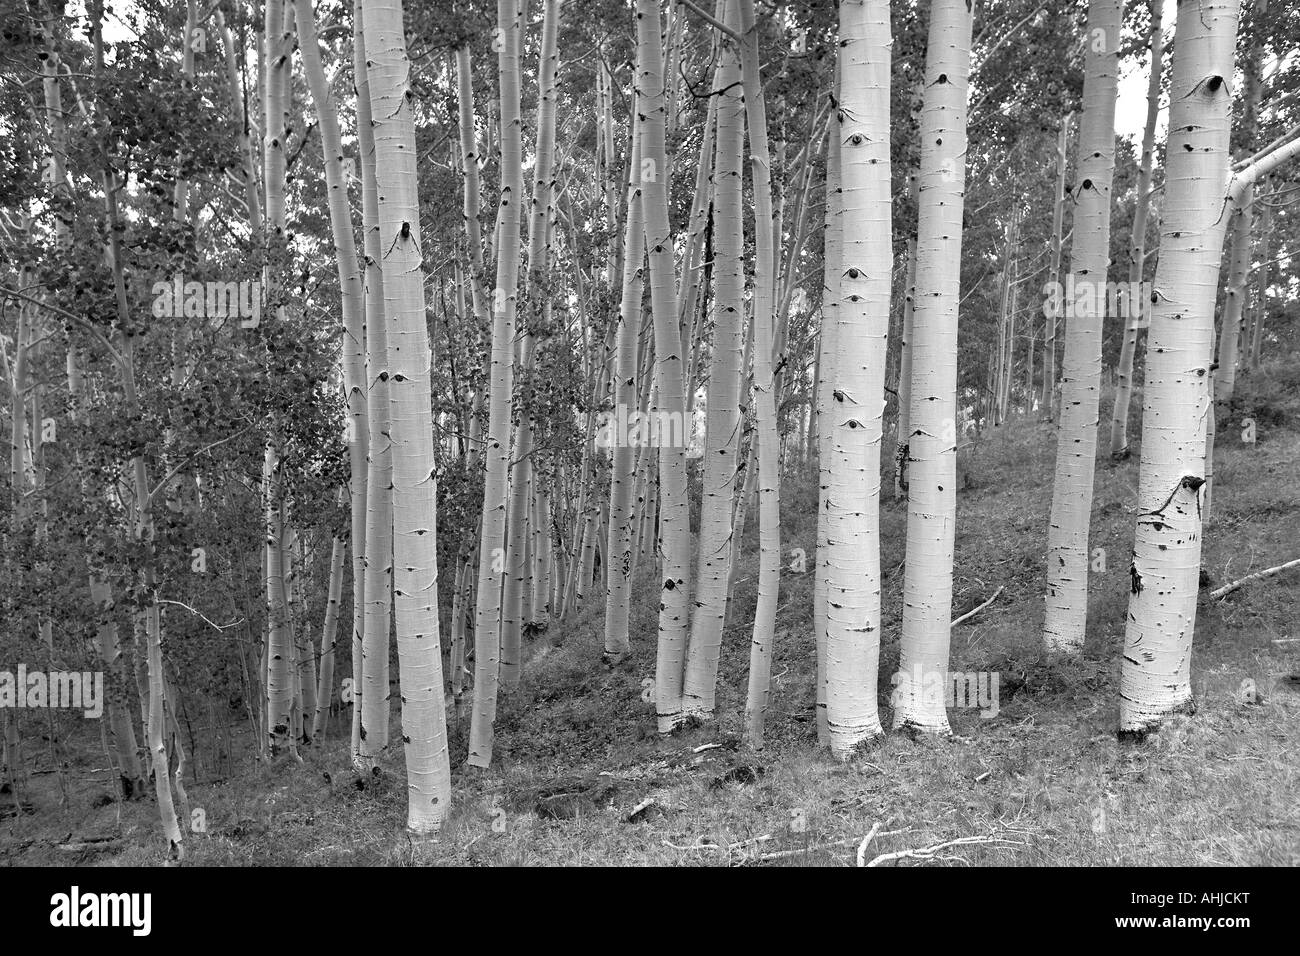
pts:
[932, 438]
[1076, 446]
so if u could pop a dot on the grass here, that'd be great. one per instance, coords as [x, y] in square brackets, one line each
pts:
[1045, 779]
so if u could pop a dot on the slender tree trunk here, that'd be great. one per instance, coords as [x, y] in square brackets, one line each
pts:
[828, 357]
[621, 560]
[351, 284]
[1234, 301]
[1076, 446]
[669, 406]
[855, 418]
[1261, 296]
[372, 644]
[1052, 304]
[534, 311]
[903, 435]
[1135, 304]
[1239, 251]
[488, 613]
[932, 438]
[415, 553]
[712, 573]
[767, 439]
[328, 639]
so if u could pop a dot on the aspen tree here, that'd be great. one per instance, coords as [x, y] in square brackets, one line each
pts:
[415, 554]
[275, 94]
[932, 434]
[1155, 677]
[351, 285]
[1076, 444]
[700, 221]
[1239, 249]
[496, 451]
[669, 404]
[828, 354]
[718, 480]
[905, 373]
[1250, 353]
[1052, 304]
[1134, 302]
[247, 151]
[459, 619]
[534, 293]
[857, 398]
[766, 437]
[1225, 374]
[535, 586]
[329, 634]
[619, 546]
[370, 687]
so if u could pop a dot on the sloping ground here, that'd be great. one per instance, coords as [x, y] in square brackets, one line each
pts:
[1042, 781]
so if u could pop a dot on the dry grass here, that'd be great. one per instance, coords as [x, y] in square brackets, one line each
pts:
[1045, 777]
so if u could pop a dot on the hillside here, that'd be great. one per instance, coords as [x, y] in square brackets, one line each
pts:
[1044, 781]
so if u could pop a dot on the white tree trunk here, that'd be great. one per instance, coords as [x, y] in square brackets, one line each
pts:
[350, 284]
[1135, 304]
[496, 452]
[855, 416]
[329, 635]
[828, 354]
[1051, 307]
[415, 553]
[905, 361]
[1076, 444]
[619, 549]
[713, 569]
[766, 436]
[517, 569]
[1155, 677]
[932, 433]
[371, 694]
[669, 407]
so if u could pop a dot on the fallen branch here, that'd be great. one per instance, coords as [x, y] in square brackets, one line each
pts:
[1266, 573]
[929, 852]
[971, 613]
[862, 847]
[782, 854]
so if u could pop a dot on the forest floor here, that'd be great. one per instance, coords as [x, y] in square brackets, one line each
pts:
[1043, 781]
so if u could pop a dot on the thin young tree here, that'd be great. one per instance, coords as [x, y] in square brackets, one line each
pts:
[669, 405]
[496, 443]
[713, 568]
[1135, 303]
[620, 544]
[1076, 443]
[932, 432]
[535, 290]
[765, 423]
